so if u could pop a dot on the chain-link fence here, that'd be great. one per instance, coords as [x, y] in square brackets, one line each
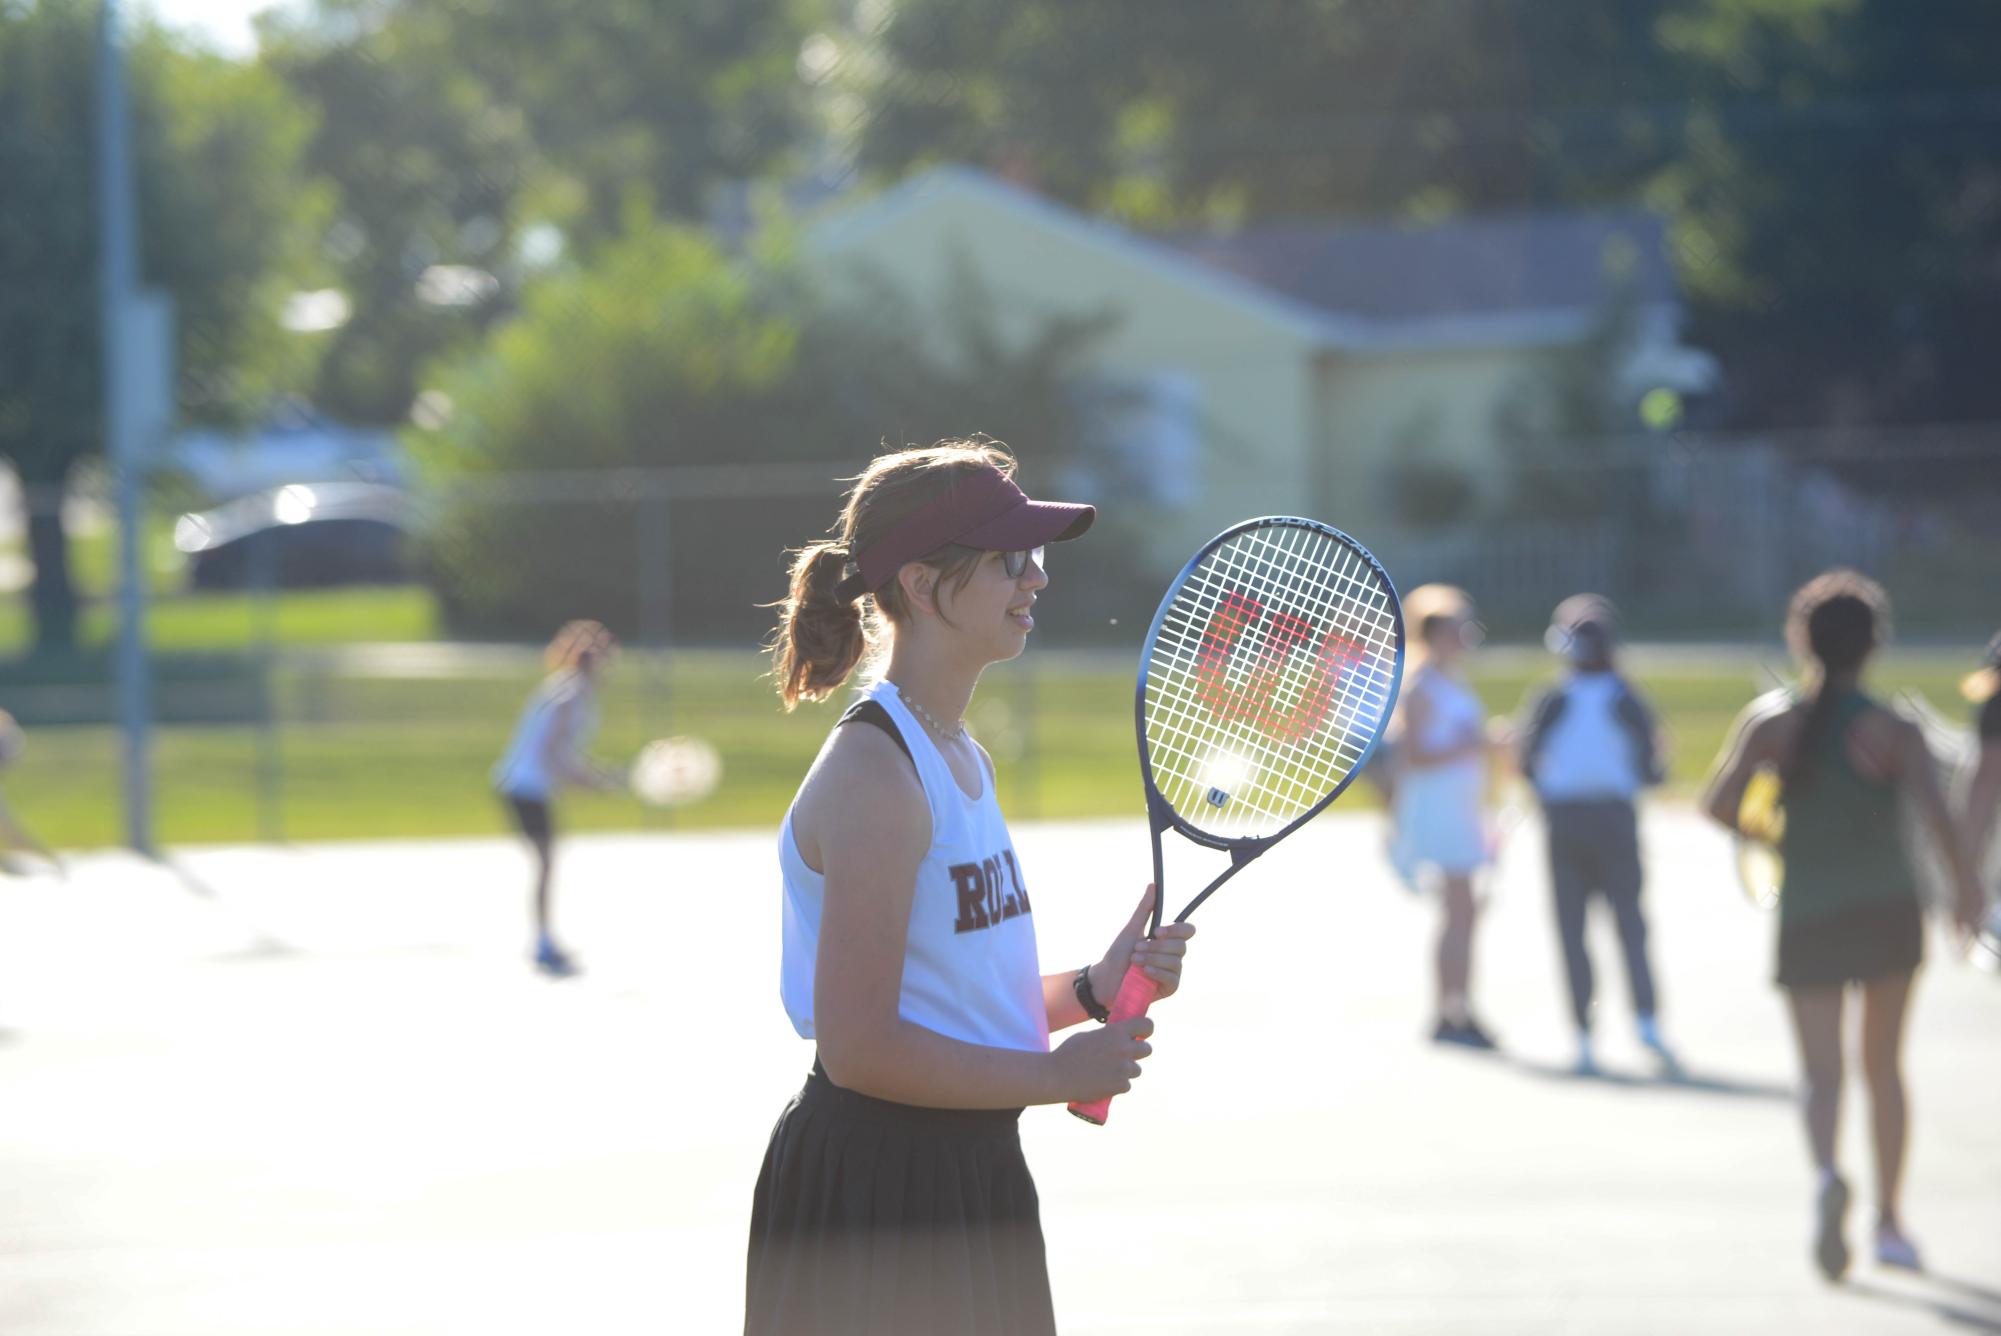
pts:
[330, 661]
[1705, 536]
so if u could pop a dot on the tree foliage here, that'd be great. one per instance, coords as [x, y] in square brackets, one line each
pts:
[224, 213]
[1187, 111]
[665, 353]
[458, 129]
[428, 171]
[1830, 165]
[1839, 192]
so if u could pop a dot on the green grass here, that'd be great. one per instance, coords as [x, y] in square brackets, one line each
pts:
[182, 622]
[376, 757]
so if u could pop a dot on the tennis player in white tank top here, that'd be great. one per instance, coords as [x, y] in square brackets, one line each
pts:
[969, 965]
[893, 1196]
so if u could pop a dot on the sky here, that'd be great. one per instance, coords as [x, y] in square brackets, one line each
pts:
[225, 23]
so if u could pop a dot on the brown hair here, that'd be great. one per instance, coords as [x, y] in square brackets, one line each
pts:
[1429, 609]
[577, 641]
[1837, 619]
[820, 637]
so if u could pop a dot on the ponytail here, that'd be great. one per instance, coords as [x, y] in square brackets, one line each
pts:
[1837, 619]
[820, 637]
[1796, 775]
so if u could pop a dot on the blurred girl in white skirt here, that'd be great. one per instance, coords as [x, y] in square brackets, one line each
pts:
[1440, 794]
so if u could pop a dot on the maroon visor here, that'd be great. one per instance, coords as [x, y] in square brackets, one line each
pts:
[982, 509]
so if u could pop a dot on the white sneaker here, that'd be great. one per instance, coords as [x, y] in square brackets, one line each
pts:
[1894, 1249]
[1650, 1035]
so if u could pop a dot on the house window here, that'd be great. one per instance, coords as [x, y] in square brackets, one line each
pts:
[1145, 438]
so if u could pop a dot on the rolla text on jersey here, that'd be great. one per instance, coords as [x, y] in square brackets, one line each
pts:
[983, 901]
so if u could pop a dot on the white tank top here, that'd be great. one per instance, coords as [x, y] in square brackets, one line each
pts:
[1456, 714]
[970, 970]
[522, 771]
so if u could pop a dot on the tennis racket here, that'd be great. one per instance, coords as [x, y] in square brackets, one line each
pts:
[1264, 685]
[1761, 813]
[1761, 822]
[671, 771]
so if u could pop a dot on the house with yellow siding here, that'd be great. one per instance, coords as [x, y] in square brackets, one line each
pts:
[1276, 369]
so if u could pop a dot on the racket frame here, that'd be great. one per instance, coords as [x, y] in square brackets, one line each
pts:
[1161, 816]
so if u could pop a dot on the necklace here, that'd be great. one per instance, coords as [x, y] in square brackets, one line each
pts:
[952, 734]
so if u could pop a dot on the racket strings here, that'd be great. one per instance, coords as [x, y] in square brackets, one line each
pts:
[1269, 678]
[1218, 590]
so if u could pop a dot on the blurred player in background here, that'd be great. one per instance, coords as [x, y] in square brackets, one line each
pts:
[1849, 909]
[1588, 749]
[547, 755]
[1440, 793]
[12, 743]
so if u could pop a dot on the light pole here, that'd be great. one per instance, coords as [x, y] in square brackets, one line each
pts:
[118, 265]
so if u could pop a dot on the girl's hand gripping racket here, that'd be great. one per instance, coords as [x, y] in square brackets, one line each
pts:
[1265, 682]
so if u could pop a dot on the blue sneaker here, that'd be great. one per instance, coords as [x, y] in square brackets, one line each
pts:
[1466, 1034]
[550, 959]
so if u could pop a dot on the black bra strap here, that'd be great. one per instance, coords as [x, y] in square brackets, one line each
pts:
[871, 712]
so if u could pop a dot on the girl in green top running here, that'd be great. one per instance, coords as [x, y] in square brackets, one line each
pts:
[1848, 906]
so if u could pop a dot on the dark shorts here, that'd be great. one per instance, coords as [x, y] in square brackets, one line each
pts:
[881, 1219]
[531, 817]
[1852, 945]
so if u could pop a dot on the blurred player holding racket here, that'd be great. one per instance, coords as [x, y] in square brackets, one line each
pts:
[1439, 808]
[1849, 910]
[1981, 800]
[894, 1196]
[547, 754]
[1589, 748]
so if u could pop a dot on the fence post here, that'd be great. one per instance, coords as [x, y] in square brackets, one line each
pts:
[1031, 732]
[270, 760]
[655, 589]
[118, 282]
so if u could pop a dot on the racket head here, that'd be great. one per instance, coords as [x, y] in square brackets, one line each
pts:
[670, 772]
[1761, 872]
[1265, 682]
[1761, 822]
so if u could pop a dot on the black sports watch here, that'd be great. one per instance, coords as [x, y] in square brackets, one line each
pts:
[1088, 999]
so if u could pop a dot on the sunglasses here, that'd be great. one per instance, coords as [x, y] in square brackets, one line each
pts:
[1014, 563]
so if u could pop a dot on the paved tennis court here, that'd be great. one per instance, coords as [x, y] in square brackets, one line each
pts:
[315, 1090]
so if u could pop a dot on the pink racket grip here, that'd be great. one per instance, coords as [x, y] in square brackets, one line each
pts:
[1136, 994]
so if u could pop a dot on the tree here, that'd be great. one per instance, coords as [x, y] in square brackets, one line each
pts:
[1568, 433]
[664, 352]
[1840, 204]
[1829, 165]
[461, 132]
[224, 212]
[429, 171]
[1184, 111]
[663, 100]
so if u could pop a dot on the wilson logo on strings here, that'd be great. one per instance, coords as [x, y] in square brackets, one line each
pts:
[1241, 671]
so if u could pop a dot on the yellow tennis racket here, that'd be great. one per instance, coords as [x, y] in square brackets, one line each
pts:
[1761, 821]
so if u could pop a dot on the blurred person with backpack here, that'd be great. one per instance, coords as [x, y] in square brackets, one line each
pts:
[1589, 747]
